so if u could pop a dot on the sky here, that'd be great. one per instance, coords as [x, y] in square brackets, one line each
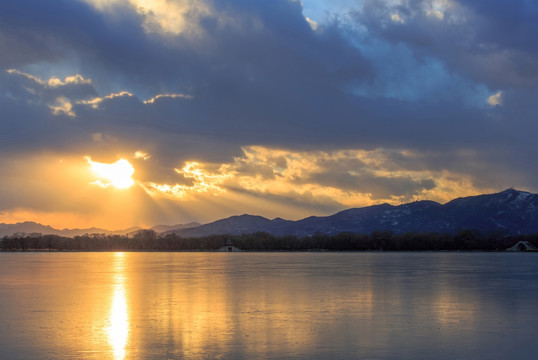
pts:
[118, 113]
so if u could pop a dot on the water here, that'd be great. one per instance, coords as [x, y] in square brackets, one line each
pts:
[268, 306]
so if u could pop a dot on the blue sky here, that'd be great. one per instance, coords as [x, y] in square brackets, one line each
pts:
[277, 108]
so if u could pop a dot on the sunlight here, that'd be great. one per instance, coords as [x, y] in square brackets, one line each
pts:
[118, 330]
[117, 174]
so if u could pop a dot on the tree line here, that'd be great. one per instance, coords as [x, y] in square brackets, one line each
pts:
[148, 240]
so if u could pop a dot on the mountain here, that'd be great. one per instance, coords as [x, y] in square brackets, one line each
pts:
[241, 224]
[159, 229]
[29, 227]
[164, 228]
[510, 211]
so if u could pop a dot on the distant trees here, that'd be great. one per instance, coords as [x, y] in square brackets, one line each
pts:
[148, 240]
[24, 242]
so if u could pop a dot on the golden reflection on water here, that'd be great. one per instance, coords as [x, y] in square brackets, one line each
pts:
[250, 306]
[118, 318]
[452, 310]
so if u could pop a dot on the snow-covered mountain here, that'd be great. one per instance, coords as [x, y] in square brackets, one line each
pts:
[510, 211]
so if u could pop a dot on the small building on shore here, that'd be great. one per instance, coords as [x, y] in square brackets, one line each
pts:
[229, 247]
[522, 246]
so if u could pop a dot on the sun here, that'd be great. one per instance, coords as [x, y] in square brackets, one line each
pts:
[118, 174]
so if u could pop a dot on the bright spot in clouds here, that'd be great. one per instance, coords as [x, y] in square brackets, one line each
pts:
[203, 181]
[141, 155]
[164, 96]
[496, 99]
[62, 106]
[396, 18]
[117, 174]
[162, 16]
[313, 25]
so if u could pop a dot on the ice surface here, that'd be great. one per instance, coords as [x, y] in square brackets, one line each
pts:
[268, 306]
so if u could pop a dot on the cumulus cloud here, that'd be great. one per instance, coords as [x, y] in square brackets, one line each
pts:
[75, 79]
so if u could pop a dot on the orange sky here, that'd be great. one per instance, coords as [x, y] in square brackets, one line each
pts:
[81, 192]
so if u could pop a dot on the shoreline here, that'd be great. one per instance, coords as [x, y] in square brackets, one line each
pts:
[266, 251]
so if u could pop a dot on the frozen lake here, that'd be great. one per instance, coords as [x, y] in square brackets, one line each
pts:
[268, 305]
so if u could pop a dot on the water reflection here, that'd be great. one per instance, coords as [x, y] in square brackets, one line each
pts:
[450, 310]
[118, 318]
[94, 306]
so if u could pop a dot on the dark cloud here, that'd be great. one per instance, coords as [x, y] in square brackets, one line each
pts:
[492, 42]
[352, 174]
[379, 187]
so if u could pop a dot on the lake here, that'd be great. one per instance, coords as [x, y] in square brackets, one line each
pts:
[268, 305]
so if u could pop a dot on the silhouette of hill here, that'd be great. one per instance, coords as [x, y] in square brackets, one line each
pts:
[510, 211]
[30, 227]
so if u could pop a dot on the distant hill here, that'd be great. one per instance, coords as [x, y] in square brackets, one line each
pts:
[510, 211]
[164, 228]
[29, 227]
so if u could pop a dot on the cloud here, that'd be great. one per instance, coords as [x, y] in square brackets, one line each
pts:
[62, 105]
[387, 101]
[350, 177]
[75, 79]
[201, 181]
[167, 17]
[314, 25]
[58, 95]
[495, 99]
[94, 102]
[397, 19]
[334, 179]
[475, 39]
[166, 96]
[141, 155]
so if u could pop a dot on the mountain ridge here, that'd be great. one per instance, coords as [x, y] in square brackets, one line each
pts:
[510, 211]
[31, 227]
